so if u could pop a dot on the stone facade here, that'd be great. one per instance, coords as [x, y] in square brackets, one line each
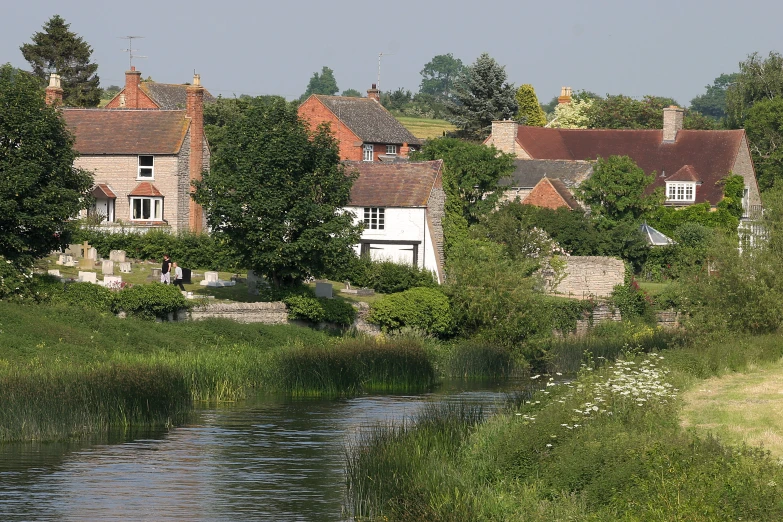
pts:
[590, 276]
[743, 166]
[267, 313]
[672, 122]
[504, 138]
[436, 211]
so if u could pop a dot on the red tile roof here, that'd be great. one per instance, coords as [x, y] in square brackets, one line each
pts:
[394, 184]
[103, 188]
[710, 153]
[146, 189]
[127, 131]
[687, 173]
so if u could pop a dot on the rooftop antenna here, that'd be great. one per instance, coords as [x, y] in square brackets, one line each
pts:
[378, 83]
[130, 50]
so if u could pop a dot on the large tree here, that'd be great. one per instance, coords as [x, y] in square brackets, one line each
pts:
[529, 112]
[482, 95]
[275, 192]
[713, 102]
[40, 190]
[58, 50]
[764, 125]
[759, 79]
[624, 112]
[323, 83]
[439, 75]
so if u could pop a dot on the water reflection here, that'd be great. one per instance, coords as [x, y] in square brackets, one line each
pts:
[264, 459]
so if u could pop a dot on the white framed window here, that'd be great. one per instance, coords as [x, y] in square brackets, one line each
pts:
[680, 191]
[391, 150]
[146, 167]
[146, 209]
[367, 152]
[374, 218]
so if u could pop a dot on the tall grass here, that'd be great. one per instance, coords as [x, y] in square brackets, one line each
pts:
[478, 360]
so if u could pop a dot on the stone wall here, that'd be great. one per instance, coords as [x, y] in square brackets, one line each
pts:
[267, 313]
[590, 276]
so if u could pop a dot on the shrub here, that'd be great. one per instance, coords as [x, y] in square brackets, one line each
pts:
[86, 295]
[150, 301]
[316, 310]
[427, 309]
[12, 278]
[633, 302]
[386, 277]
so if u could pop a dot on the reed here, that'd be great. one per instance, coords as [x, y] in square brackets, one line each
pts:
[477, 360]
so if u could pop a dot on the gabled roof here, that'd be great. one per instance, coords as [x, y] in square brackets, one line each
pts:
[103, 190]
[170, 96]
[710, 152]
[127, 131]
[527, 173]
[561, 189]
[368, 119]
[551, 193]
[394, 184]
[687, 173]
[146, 189]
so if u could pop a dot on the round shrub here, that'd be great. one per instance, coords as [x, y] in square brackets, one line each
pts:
[386, 277]
[426, 309]
[317, 310]
[86, 295]
[150, 301]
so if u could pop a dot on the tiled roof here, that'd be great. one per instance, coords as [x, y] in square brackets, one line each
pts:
[561, 189]
[527, 173]
[368, 119]
[171, 95]
[103, 190]
[146, 189]
[687, 173]
[710, 153]
[394, 184]
[127, 131]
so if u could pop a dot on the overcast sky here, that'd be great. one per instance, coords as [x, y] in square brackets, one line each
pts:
[667, 48]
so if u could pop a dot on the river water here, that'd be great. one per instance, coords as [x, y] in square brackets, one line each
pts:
[263, 459]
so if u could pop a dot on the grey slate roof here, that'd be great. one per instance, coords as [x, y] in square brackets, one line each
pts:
[527, 173]
[368, 119]
[170, 96]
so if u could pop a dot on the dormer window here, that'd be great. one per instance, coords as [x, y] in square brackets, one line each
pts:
[681, 191]
[146, 167]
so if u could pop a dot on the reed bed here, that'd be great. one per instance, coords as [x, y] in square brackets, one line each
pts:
[477, 360]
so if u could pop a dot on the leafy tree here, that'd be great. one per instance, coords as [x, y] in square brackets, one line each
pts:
[549, 107]
[58, 50]
[713, 102]
[323, 83]
[758, 79]
[110, 92]
[529, 112]
[351, 93]
[574, 115]
[396, 100]
[616, 190]
[40, 190]
[218, 115]
[623, 112]
[482, 95]
[275, 193]
[439, 75]
[764, 125]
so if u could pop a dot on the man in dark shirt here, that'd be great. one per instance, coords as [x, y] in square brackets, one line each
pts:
[165, 276]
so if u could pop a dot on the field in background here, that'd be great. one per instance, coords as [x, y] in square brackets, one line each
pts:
[425, 128]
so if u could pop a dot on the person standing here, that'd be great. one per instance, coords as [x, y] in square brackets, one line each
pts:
[178, 276]
[165, 276]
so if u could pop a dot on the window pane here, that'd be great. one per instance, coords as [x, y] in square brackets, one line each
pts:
[145, 208]
[136, 209]
[145, 161]
[145, 173]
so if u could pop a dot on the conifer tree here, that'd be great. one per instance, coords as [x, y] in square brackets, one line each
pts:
[57, 50]
[530, 112]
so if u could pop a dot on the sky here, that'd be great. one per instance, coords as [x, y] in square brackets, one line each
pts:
[665, 48]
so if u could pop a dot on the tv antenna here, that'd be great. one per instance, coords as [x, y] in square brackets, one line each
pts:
[378, 83]
[130, 50]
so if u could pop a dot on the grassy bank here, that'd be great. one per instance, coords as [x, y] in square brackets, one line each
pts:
[607, 446]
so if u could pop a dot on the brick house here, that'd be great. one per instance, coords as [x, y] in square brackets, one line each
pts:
[546, 183]
[365, 130]
[143, 158]
[401, 206]
[688, 164]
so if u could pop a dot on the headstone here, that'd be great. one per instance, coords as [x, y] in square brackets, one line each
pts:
[117, 255]
[252, 283]
[85, 262]
[156, 274]
[125, 267]
[55, 273]
[323, 290]
[88, 277]
[187, 276]
[211, 277]
[112, 281]
[64, 259]
[74, 250]
[107, 267]
[92, 254]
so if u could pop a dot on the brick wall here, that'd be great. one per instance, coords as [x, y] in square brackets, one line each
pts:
[131, 94]
[590, 276]
[435, 213]
[316, 113]
[504, 136]
[672, 122]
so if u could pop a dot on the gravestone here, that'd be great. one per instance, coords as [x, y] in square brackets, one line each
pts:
[88, 277]
[74, 249]
[211, 277]
[156, 274]
[92, 254]
[125, 267]
[107, 267]
[55, 273]
[117, 255]
[112, 281]
[252, 283]
[187, 276]
[323, 290]
[64, 259]
[85, 262]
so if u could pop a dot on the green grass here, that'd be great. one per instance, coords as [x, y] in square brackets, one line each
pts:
[653, 288]
[425, 128]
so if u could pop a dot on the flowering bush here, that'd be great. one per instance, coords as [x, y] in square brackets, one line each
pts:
[13, 279]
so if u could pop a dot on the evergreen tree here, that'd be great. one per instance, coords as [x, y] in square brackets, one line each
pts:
[482, 95]
[57, 50]
[530, 112]
[323, 83]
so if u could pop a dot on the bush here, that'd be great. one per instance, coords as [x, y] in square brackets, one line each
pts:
[633, 302]
[150, 301]
[13, 279]
[86, 295]
[386, 277]
[426, 309]
[316, 310]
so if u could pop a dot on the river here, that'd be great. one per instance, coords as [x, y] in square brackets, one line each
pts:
[262, 459]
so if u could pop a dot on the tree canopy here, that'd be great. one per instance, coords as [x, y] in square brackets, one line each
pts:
[439, 75]
[351, 93]
[529, 112]
[58, 50]
[713, 102]
[275, 193]
[323, 83]
[623, 112]
[482, 95]
[759, 79]
[764, 126]
[40, 190]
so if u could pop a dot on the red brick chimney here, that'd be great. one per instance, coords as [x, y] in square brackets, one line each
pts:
[195, 111]
[405, 150]
[54, 93]
[132, 87]
[374, 94]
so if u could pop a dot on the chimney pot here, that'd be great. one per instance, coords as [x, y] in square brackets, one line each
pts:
[565, 95]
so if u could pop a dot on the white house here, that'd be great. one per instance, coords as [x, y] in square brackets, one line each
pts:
[401, 206]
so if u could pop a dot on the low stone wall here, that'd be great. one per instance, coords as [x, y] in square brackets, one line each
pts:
[267, 313]
[668, 319]
[603, 311]
[590, 276]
